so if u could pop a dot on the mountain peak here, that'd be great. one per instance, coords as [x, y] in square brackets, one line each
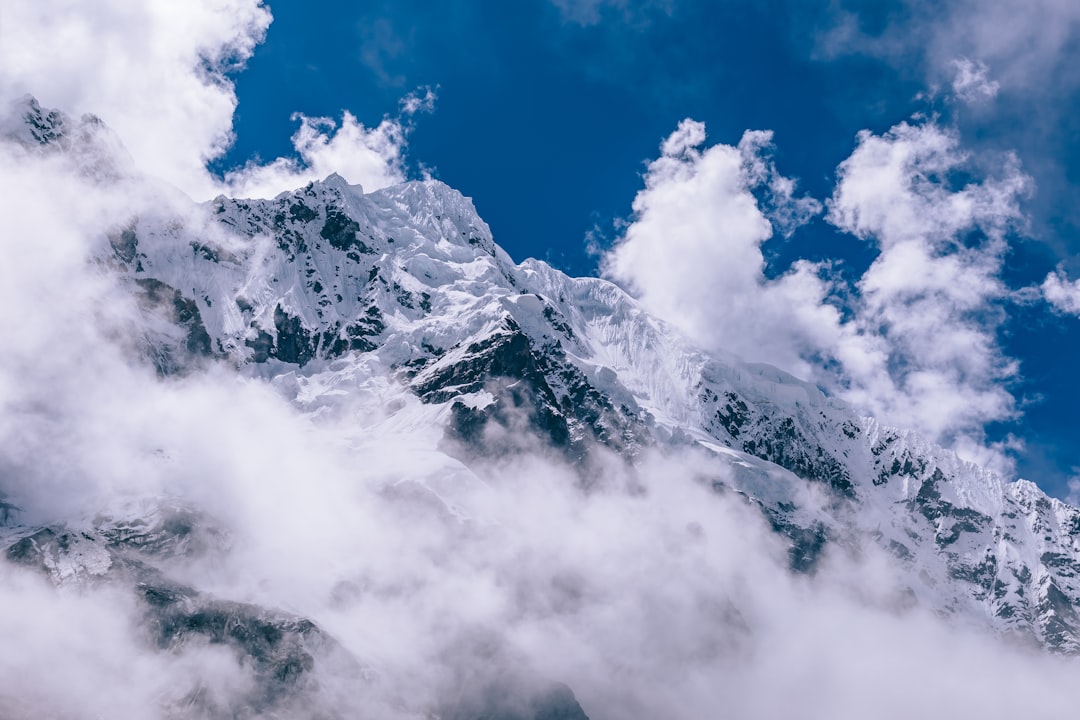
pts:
[94, 148]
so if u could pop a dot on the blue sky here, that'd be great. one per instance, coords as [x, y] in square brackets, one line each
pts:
[548, 112]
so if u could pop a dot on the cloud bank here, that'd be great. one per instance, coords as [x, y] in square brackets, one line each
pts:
[156, 73]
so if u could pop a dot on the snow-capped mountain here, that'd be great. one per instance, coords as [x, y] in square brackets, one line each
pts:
[400, 299]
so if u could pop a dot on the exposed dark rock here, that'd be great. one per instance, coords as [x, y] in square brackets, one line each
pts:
[125, 243]
[177, 310]
[734, 415]
[280, 650]
[294, 341]
[340, 231]
[950, 522]
[8, 511]
[1059, 619]
[276, 647]
[781, 440]
[982, 575]
[262, 345]
[537, 393]
[558, 322]
[807, 543]
[299, 212]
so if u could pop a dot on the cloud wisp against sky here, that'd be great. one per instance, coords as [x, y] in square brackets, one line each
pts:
[369, 157]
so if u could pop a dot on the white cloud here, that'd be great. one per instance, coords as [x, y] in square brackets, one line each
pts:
[666, 602]
[693, 252]
[82, 655]
[159, 78]
[1061, 293]
[972, 81]
[1073, 488]
[154, 72]
[932, 295]
[370, 157]
[917, 347]
[1026, 40]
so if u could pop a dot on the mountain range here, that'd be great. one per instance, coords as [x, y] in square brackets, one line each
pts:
[399, 301]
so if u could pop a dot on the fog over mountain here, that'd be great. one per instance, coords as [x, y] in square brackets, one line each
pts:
[335, 454]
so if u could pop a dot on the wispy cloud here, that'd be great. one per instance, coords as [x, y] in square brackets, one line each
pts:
[1061, 293]
[592, 12]
[972, 82]
[370, 157]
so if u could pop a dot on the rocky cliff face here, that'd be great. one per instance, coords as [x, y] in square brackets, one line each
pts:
[323, 289]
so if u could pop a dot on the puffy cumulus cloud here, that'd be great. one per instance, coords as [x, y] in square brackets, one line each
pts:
[1061, 293]
[693, 253]
[370, 157]
[894, 189]
[155, 72]
[972, 82]
[913, 341]
[932, 294]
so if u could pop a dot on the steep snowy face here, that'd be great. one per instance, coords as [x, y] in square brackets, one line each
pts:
[309, 275]
[400, 300]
